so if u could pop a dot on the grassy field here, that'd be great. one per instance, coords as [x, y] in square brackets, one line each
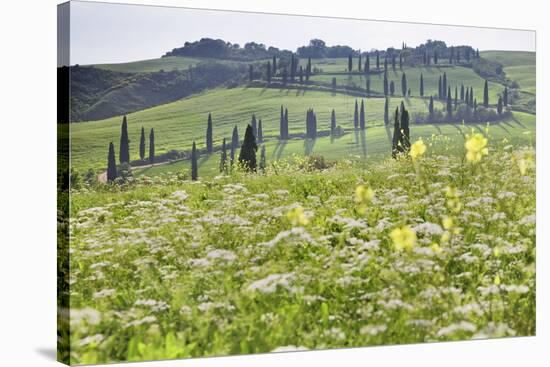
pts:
[456, 76]
[443, 250]
[373, 144]
[518, 66]
[153, 65]
[177, 124]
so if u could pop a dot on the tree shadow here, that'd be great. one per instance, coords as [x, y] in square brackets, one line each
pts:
[279, 148]
[459, 130]
[363, 139]
[518, 122]
[309, 144]
[437, 128]
[501, 125]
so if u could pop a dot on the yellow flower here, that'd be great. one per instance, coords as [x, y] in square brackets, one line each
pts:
[297, 217]
[436, 248]
[363, 194]
[497, 280]
[448, 223]
[403, 238]
[417, 149]
[476, 147]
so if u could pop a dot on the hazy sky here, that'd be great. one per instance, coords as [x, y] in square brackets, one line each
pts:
[109, 33]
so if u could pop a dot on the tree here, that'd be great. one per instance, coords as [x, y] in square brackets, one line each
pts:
[499, 105]
[395, 149]
[467, 97]
[262, 159]
[486, 94]
[392, 88]
[367, 65]
[250, 72]
[386, 63]
[152, 146]
[444, 85]
[301, 74]
[268, 72]
[362, 116]
[386, 89]
[431, 107]
[311, 124]
[235, 138]
[286, 123]
[456, 97]
[368, 85]
[282, 135]
[333, 84]
[111, 164]
[393, 61]
[254, 125]
[194, 163]
[332, 122]
[260, 132]
[223, 158]
[292, 67]
[471, 96]
[124, 154]
[449, 103]
[231, 156]
[274, 65]
[386, 112]
[400, 61]
[435, 58]
[451, 55]
[142, 144]
[421, 85]
[404, 84]
[405, 134]
[209, 141]
[377, 60]
[462, 92]
[505, 96]
[308, 69]
[247, 156]
[356, 115]
[359, 66]
[440, 89]
[285, 76]
[350, 63]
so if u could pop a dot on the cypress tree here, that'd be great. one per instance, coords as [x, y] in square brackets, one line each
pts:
[462, 92]
[499, 105]
[111, 164]
[362, 116]
[124, 154]
[386, 63]
[486, 94]
[194, 163]
[386, 112]
[367, 64]
[457, 56]
[262, 159]
[359, 63]
[505, 96]
[223, 158]
[396, 134]
[308, 69]
[439, 89]
[247, 156]
[400, 61]
[231, 156]
[350, 63]
[142, 144]
[333, 84]
[392, 87]
[274, 65]
[292, 69]
[235, 138]
[282, 125]
[449, 103]
[435, 58]
[356, 115]
[332, 122]
[467, 97]
[254, 126]
[268, 72]
[250, 72]
[471, 97]
[301, 74]
[431, 107]
[285, 76]
[456, 97]
[421, 85]
[404, 84]
[260, 132]
[209, 142]
[368, 85]
[152, 146]
[385, 83]
[377, 60]
[424, 58]
[475, 106]
[393, 61]
[405, 134]
[444, 85]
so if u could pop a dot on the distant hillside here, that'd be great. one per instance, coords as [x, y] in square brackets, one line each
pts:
[97, 93]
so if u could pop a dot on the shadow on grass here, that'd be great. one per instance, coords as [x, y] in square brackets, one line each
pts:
[363, 140]
[309, 144]
[279, 148]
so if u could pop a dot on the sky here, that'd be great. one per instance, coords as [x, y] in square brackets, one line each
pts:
[113, 33]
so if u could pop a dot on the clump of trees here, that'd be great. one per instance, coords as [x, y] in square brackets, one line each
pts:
[311, 124]
[247, 156]
[401, 133]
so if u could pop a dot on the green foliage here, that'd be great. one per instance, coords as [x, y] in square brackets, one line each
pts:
[247, 156]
